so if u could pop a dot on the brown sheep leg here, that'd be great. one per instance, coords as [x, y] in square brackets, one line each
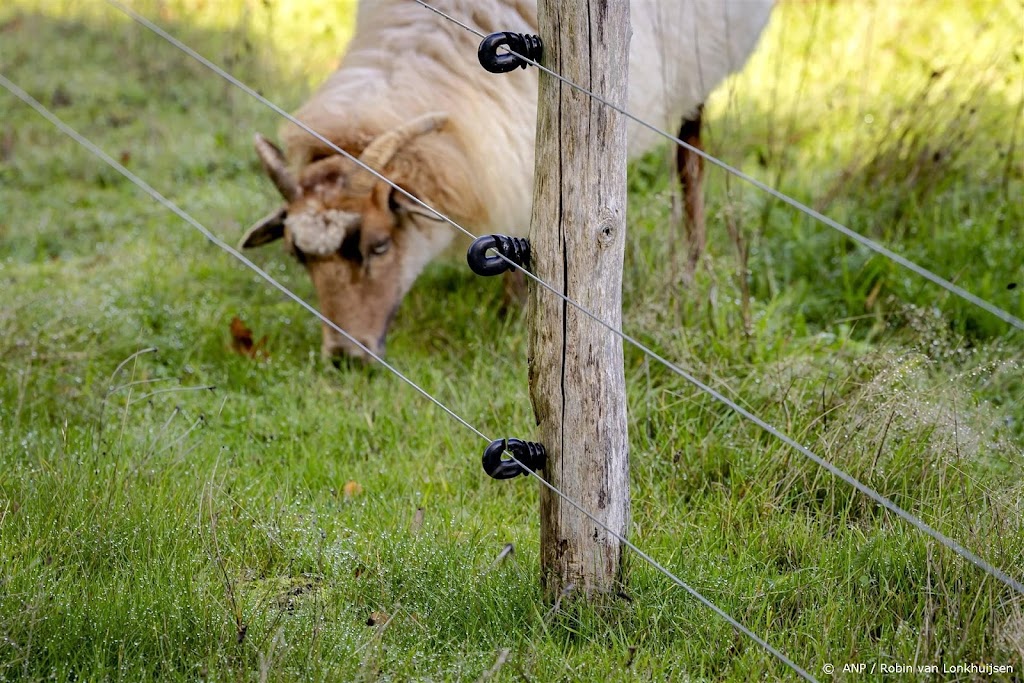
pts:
[690, 167]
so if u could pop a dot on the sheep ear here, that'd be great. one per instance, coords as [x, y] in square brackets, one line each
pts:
[266, 230]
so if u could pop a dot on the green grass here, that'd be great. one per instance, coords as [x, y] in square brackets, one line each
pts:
[152, 527]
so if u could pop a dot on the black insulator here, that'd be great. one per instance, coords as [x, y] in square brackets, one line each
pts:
[531, 454]
[515, 249]
[522, 44]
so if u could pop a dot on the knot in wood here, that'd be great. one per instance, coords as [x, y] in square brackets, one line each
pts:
[606, 232]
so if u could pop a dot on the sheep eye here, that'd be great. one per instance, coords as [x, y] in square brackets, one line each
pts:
[380, 247]
[393, 205]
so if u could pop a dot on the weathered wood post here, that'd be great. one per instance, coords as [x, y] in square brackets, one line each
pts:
[577, 236]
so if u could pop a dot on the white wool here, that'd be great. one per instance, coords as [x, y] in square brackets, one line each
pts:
[405, 60]
[319, 233]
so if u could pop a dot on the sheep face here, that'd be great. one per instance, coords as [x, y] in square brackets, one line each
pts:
[362, 242]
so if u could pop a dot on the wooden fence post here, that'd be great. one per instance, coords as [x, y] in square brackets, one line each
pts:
[578, 235]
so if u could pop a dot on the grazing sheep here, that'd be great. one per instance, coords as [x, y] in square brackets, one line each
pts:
[411, 101]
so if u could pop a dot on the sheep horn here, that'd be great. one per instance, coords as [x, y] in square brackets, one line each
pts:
[381, 150]
[275, 166]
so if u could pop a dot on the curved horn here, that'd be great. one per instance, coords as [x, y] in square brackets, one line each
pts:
[379, 152]
[275, 166]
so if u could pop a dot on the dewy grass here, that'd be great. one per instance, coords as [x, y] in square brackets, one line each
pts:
[298, 522]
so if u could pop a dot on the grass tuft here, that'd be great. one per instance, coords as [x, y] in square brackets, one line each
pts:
[171, 508]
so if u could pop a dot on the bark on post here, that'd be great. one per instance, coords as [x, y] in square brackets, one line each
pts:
[578, 239]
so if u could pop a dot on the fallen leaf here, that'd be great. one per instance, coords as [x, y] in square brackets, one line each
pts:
[352, 489]
[377, 618]
[242, 342]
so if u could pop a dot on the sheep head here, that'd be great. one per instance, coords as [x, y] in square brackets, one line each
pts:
[362, 241]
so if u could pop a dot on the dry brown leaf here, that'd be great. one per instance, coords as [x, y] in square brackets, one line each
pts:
[417, 521]
[352, 488]
[242, 342]
[377, 619]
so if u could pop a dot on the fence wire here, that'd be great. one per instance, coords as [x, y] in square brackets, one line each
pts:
[882, 500]
[181, 213]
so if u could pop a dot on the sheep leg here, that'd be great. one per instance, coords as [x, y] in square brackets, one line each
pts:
[690, 167]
